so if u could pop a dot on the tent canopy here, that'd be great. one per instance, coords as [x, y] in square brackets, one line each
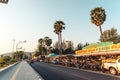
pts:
[52, 54]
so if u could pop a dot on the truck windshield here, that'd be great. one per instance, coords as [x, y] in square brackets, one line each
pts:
[119, 61]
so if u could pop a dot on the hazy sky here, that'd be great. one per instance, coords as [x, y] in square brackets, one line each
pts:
[33, 19]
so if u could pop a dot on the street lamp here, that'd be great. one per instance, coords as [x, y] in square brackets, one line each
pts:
[19, 43]
[13, 45]
[4, 1]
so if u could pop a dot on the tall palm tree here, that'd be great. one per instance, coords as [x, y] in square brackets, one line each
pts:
[58, 27]
[98, 17]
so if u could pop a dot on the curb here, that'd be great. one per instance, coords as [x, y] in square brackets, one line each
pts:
[8, 67]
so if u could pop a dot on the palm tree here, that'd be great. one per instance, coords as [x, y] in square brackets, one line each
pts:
[48, 42]
[40, 41]
[41, 45]
[98, 17]
[59, 26]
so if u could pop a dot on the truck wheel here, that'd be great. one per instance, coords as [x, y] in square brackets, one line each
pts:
[113, 71]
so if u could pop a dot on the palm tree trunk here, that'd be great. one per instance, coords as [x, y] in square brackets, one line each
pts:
[48, 49]
[60, 43]
[102, 39]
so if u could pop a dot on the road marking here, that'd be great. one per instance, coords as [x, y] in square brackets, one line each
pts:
[15, 74]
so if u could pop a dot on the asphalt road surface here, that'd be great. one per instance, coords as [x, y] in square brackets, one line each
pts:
[7, 74]
[56, 72]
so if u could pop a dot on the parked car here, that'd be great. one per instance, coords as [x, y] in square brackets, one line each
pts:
[113, 66]
[31, 61]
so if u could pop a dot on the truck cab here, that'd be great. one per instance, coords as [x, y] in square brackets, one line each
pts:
[118, 64]
[113, 66]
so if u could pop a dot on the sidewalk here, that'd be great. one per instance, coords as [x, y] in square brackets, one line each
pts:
[25, 72]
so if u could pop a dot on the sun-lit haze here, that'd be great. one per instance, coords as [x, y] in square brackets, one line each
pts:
[33, 19]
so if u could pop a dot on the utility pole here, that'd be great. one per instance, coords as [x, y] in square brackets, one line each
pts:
[13, 45]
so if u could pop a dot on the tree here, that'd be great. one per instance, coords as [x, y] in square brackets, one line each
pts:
[41, 46]
[48, 42]
[41, 41]
[44, 45]
[79, 46]
[37, 53]
[98, 17]
[58, 27]
[18, 55]
[6, 59]
[118, 38]
[111, 35]
[86, 44]
[39, 49]
[1, 61]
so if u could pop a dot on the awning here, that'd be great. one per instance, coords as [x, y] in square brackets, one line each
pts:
[100, 53]
[53, 54]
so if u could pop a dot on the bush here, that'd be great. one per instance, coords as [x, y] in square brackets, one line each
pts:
[2, 64]
[13, 60]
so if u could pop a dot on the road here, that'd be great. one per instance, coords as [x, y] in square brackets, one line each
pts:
[56, 72]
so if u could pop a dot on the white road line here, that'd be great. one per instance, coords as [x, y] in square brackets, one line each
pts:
[15, 74]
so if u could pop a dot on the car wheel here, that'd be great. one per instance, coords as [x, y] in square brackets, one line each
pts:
[113, 71]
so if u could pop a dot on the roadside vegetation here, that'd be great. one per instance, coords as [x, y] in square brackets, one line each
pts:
[6, 60]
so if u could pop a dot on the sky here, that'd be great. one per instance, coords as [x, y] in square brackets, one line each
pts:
[33, 19]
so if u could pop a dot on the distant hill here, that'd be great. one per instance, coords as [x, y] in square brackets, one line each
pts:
[11, 54]
[7, 54]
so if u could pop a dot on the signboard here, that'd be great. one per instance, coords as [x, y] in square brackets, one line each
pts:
[107, 48]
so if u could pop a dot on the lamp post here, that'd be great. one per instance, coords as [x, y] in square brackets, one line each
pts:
[19, 43]
[13, 45]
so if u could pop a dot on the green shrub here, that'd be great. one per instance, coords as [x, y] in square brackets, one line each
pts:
[2, 64]
[13, 60]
